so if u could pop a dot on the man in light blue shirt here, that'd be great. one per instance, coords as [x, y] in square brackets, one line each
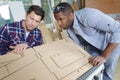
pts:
[95, 31]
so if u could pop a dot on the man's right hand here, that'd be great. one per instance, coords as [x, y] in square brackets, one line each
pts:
[19, 48]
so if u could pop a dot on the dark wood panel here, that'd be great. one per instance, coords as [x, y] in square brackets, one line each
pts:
[107, 6]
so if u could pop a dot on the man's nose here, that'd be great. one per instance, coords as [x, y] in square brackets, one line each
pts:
[33, 22]
[59, 22]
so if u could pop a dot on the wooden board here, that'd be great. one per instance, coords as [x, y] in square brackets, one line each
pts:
[107, 6]
[58, 60]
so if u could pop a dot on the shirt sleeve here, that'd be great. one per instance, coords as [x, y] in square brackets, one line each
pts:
[3, 35]
[36, 39]
[3, 40]
[96, 19]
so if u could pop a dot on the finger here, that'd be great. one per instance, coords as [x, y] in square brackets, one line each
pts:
[91, 60]
[21, 48]
[12, 47]
[17, 48]
[96, 61]
[99, 63]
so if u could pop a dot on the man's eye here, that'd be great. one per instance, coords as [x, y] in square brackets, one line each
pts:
[60, 19]
[37, 21]
[31, 18]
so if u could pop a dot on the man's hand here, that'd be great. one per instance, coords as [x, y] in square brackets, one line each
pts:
[97, 60]
[19, 48]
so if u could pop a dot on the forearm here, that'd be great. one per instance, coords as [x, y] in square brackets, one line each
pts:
[97, 60]
[109, 49]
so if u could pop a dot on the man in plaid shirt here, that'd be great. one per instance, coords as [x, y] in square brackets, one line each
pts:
[18, 36]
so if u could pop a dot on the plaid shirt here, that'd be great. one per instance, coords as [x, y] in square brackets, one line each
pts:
[14, 33]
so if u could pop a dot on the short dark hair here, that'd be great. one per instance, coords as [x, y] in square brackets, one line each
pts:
[63, 7]
[37, 9]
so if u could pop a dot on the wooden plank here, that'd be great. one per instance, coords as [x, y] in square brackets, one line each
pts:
[107, 6]
[58, 60]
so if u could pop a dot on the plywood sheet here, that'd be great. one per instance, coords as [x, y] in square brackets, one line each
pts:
[59, 60]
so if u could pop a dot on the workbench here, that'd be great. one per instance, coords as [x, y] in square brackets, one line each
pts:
[59, 60]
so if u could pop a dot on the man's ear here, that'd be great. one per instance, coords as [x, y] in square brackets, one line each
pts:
[26, 15]
[71, 16]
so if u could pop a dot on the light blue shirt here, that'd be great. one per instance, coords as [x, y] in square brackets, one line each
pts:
[95, 27]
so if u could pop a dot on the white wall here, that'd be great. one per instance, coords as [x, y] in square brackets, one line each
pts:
[37, 2]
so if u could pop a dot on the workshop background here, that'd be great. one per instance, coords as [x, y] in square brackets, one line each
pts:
[49, 27]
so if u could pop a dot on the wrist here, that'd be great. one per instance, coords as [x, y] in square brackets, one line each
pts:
[104, 56]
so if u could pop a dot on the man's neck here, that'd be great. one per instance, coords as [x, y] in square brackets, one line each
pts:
[24, 25]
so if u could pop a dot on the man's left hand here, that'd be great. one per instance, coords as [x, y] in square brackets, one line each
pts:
[97, 60]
